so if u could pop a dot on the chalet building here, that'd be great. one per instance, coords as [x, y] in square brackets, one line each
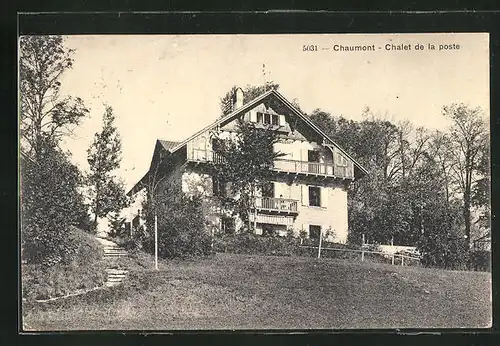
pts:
[309, 189]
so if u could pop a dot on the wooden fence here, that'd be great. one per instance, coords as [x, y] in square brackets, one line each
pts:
[362, 251]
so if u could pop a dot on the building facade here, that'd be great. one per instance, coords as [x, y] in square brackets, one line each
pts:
[308, 192]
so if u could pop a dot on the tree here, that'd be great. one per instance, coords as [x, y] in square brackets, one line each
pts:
[468, 139]
[182, 228]
[246, 163]
[50, 202]
[44, 114]
[249, 93]
[50, 184]
[108, 195]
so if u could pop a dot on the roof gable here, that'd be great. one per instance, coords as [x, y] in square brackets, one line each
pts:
[248, 106]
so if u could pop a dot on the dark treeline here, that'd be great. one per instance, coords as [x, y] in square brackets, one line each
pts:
[425, 188]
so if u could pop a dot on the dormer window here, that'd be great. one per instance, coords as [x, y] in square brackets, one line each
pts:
[268, 119]
[275, 119]
[341, 160]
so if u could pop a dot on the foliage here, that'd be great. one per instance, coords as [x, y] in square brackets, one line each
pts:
[44, 115]
[252, 244]
[182, 230]
[246, 163]
[480, 260]
[116, 224]
[50, 202]
[84, 270]
[469, 142]
[108, 195]
[249, 93]
[417, 180]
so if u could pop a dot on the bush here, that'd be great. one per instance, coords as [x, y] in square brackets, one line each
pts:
[480, 260]
[50, 201]
[182, 230]
[85, 270]
[253, 244]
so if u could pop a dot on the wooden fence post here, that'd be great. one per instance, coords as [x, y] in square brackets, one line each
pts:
[363, 248]
[402, 261]
[392, 244]
[319, 247]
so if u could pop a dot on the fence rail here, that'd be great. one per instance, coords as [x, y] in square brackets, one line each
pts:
[364, 252]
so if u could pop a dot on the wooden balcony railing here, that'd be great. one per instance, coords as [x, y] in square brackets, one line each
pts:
[276, 204]
[202, 155]
[303, 167]
[282, 165]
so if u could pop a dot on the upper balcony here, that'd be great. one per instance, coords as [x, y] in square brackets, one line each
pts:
[284, 165]
[277, 205]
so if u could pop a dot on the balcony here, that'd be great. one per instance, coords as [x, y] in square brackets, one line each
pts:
[312, 168]
[202, 155]
[283, 165]
[285, 220]
[294, 166]
[278, 205]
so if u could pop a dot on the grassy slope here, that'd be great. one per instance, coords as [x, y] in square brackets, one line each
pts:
[246, 292]
[86, 269]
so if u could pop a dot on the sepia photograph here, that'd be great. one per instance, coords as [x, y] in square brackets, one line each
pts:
[254, 182]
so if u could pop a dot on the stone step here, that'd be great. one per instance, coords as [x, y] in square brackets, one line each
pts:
[116, 271]
[116, 277]
[115, 254]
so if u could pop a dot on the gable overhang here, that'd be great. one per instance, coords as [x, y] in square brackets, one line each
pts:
[326, 138]
[231, 116]
[159, 145]
[246, 107]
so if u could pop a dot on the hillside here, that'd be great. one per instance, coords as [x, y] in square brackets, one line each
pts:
[247, 292]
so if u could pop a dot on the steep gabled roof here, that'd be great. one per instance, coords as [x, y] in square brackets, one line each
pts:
[246, 107]
[167, 145]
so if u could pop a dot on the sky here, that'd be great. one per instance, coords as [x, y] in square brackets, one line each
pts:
[169, 86]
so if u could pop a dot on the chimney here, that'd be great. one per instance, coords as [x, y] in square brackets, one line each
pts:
[238, 98]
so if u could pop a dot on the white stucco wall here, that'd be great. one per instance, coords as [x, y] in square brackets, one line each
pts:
[331, 215]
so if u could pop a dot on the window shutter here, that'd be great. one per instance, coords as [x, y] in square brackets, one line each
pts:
[324, 197]
[305, 194]
[253, 116]
[282, 119]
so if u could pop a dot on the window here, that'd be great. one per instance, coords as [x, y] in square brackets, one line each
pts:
[228, 225]
[268, 230]
[217, 144]
[267, 189]
[314, 196]
[313, 156]
[341, 160]
[219, 187]
[275, 119]
[314, 231]
[265, 118]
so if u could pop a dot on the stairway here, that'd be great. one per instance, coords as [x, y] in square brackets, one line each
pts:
[114, 253]
[113, 250]
[115, 276]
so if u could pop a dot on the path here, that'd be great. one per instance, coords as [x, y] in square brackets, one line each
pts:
[113, 252]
